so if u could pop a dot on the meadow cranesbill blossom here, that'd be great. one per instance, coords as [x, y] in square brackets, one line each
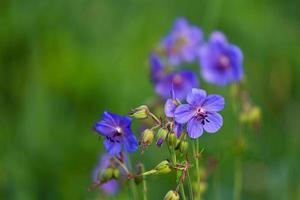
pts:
[117, 132]
[200, 113]
[170, 107]
[221, 62]
[110, 187]
[182, 43]
[182, 82]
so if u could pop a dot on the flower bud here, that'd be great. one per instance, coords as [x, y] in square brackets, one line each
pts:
[163, 167]
[106, 174]
[148, 136]
[183, 146]
[140, 112]
[255, 114]
[116, 173]
[202, 187]
[161, 135]
[172, 139]
[172, 195]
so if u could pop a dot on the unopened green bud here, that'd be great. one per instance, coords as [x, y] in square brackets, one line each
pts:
[202, 187]
[116, 173]
[255, 114]
[162, 133]
[183, 146]
[202, 172]
[163, 167]
[106, 174]
[172, 195]
[251, 115]
[172, 139]
[161, 136]
[148, 136]
[140, 112]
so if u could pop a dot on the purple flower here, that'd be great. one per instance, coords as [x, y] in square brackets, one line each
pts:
[156, 68]
[221, 62]
[182, 43]
[170, 107]
[111, 187]
[200, 113]
[117, 131]
[182, 83]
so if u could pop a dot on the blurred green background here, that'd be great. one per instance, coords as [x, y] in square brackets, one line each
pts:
[62, 62]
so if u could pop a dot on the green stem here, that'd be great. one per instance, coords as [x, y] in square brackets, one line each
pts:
[182, 192]
[155, 118]
[237, 179]
[144, 183]
[122, 165]
[131, 181]
[190, 186]
[196, 152]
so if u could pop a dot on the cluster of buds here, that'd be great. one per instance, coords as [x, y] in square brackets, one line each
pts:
[108, 174]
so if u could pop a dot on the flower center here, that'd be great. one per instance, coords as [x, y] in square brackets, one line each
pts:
[223, 63]
[118, 129]
[201, 115]
[180, 42]
[116, 137]
[177, 79]
[200, 110]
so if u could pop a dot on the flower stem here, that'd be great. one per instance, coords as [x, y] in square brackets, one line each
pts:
[196, 158]
[237, 179]
[132, 184]
[122, 165]
[155, 118]
[182, 192]
[144, 183]
[190, 186]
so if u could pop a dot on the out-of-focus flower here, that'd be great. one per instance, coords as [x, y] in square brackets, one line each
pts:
[117, 131]
[182, 43]
[182, 82]
[110, 187]
[157, 68]
[221, 62]
[200, 113]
